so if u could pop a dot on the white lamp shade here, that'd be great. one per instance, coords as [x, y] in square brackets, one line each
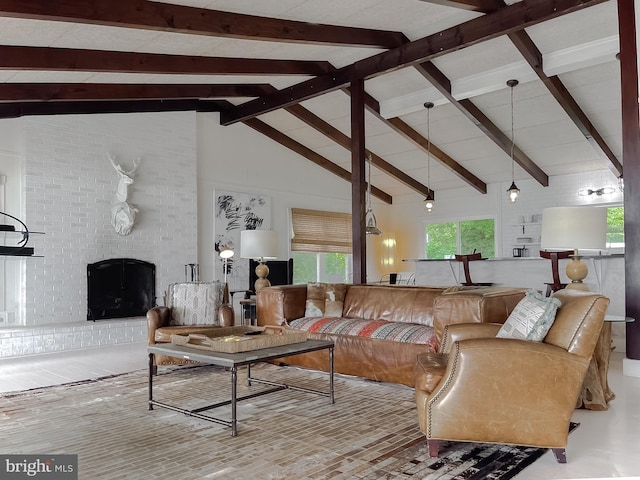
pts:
[226, 253]
[574, 228]
[259, 244]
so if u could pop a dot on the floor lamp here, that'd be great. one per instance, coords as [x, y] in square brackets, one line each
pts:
[574, 228]
[260, 245]
[225, 255]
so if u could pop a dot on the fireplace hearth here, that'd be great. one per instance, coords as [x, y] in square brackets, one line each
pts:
[120, 287]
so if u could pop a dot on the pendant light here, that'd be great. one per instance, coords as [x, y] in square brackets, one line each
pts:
[371, 224]
[431, 196]
[513, 193]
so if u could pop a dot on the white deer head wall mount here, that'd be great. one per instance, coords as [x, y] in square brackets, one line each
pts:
[123, 214]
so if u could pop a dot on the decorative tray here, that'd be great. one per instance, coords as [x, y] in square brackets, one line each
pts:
[242, 339]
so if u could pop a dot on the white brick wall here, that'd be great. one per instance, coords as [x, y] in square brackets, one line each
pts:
[71, 336]
[69, 186]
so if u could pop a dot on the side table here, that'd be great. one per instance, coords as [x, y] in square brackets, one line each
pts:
[249, 311]
[596, 393]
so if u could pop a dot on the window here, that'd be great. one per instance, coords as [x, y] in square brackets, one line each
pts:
[615, 227]
[321, 246]
[443, 238]
[478, 235]
[321, 267]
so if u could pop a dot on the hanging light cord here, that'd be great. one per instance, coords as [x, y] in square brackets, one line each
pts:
[369, 185]
[513, 166]
[428, 148]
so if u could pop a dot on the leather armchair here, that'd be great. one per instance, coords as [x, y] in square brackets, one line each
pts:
[479, 388]
[160, 327]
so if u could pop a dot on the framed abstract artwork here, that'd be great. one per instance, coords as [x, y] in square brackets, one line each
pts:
[234, 212]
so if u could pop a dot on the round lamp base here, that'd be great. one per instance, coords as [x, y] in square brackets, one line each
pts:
[577, 271]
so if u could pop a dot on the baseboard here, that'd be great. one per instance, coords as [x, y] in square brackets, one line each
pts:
[630, 368]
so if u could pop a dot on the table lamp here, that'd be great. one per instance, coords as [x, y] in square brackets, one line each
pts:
[574, 228]
[260, 245]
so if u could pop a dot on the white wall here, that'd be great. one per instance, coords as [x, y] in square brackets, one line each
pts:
[11, 202]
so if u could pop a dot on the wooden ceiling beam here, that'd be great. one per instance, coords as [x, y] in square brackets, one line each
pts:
[480, 120]
[167, 17]
[408, 132]
[533, 56]
[309, 154]
[23, 109]
[68, 59]
[345, 141]
[484, 6]
[501, 22]
[45, 92]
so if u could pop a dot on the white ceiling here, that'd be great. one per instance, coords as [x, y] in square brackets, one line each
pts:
[579, 47]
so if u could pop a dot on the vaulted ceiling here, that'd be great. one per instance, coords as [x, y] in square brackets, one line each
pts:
[284, 67]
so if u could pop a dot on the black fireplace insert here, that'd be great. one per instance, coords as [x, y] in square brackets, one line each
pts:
[120, 287]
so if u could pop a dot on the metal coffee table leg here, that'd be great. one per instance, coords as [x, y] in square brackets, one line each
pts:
[331, 395]
[151, 381]
[234, 391]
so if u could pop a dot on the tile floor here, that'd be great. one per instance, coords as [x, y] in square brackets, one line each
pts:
[605, 446]
[32, 371]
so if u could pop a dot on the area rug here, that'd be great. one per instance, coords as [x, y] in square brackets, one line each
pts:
[370, 432]
[461, 460]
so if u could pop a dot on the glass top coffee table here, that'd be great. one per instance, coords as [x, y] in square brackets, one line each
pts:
[233, 361]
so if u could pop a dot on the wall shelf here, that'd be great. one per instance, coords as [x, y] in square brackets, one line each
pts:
[529, 233]
[16, 250]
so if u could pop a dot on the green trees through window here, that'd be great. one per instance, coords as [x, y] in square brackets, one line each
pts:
[478, 235]
[615, 227]
[443, 238]
[321, 267]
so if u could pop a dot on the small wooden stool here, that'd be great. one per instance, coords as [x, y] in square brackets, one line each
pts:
[465, 259]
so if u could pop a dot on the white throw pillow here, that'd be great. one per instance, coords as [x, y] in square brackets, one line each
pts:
[325, 299]
[195, 303]
[531, 319]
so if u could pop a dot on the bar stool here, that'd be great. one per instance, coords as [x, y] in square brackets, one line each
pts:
[465, 259]
[554, 257]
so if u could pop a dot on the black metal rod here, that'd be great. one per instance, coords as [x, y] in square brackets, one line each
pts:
[151, 381]
[229, 402]
[331, 390]
[284, 386]
[226, 423]
[234, 392]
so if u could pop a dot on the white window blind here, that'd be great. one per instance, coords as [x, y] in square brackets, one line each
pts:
[320, 231]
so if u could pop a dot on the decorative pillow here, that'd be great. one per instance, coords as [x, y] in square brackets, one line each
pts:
[195, 303]
[531, 319]
[325, 299]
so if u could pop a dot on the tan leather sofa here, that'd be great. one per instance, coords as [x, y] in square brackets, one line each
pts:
[383, 359]
[534, 385]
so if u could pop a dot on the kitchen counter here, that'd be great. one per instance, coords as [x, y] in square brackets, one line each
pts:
[606, 274]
